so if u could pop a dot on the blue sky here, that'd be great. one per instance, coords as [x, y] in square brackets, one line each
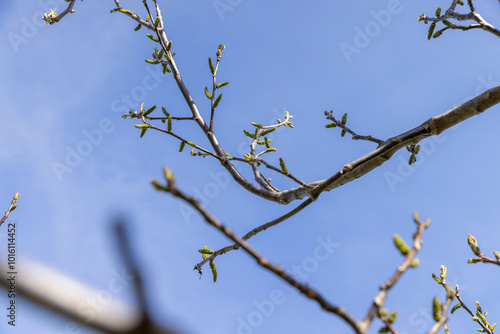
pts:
[60, 84]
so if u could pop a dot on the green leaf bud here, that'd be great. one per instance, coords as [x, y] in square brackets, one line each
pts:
[165, 111]
[222, 84]
[157, 22]
[456, 307]
[191, 144]
[169, 45]
[182, 146]
[344, 119]
[142, 126]
[126, 11]
[211, 65]
[207, 93]
[473, 245]
[283, 166]
[268, 131]
[392, 317]
[154, 62]
[149, 111]
[436, 309]
[248, 134]
[431, 30]
[151, 37]
[342, 134]
[257, 125]
[437, 279]
[414, 263]
[438, 11]
[169, 124]
[331, 125]
[214, 270]
[138, 27]
[143, 132]
[400, 244]
[217, 100]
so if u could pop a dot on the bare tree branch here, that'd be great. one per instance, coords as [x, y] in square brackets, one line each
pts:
[310, 293]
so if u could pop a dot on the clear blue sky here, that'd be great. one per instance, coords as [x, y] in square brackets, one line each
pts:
[63, 83]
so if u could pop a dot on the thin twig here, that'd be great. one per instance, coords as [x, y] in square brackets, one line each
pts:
[479, 321]
[11, 208]
[255, 231]
[379, 300]
[263, 262]
[354, 135]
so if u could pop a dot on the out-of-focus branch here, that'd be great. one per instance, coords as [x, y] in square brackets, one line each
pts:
[310, 293]
[408, 262]
[11, 208]
[65, 296]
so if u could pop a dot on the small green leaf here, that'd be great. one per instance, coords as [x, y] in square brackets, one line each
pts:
[437, 34]
[165, 69]
[142, 126]
[15, 206]
[283, 166]
[222, 84]
[438, 11]
[342, 134]
[151, 37]
[271, 150]
[147, 18]
[149, 111]
[331, 125]
[126, 11]
[169, 45]
[205, 250]
[344, 119]
[157, 22]
[216, 103]
[431, 30]
[266, 132]
[191, 144]
[248, 134]
[143, 132]
[456, 307]
[401, 245]
[257, 125]
[182, 146]
[268, 142]
[165, 111]
[211, 64]
[436, 309]
[154, 62]
[138, 27]
[392, 317]
[207, 93]
[169, 124]
[214, 270]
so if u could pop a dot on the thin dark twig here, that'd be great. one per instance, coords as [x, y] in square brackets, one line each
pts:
[10, 209]
[263, 262]
[255, 231]
[355, 136]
